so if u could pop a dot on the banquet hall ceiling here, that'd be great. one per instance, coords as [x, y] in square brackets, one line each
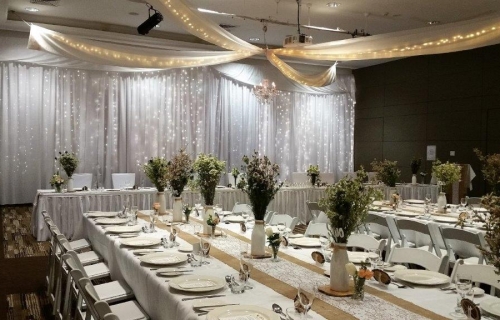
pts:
[375, 17]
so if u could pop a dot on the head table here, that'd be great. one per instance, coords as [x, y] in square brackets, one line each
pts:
[274, 282]
[66, 209]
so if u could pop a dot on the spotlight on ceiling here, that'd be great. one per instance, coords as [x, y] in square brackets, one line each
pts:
[151, 22]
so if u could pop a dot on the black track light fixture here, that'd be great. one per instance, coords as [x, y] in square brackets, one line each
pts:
[151, 22]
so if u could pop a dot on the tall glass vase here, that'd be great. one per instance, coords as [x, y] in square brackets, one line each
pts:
[359, 289]
[339, 278]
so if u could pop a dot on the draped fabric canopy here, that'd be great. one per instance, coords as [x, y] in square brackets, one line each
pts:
[115, 121]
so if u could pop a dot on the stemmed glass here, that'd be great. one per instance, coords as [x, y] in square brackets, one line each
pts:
[374, 257]
[153, 218]
[463, 202]
[133, 215]
[463, 283]
[427, 208]
[246, 268]
[306, 300]
[205, 248]
[281, 227]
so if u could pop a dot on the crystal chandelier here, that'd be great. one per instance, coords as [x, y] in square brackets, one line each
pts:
[263, 92]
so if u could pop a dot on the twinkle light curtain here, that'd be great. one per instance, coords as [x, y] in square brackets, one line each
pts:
[116, 121]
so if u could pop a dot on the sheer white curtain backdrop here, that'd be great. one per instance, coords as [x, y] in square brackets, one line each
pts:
[117, 121]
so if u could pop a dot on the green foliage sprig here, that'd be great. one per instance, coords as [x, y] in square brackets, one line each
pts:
[209, 170]
[156, 170]
[490, 170]
[56, 180]
[492, 225]
[446, 173]
[347, 204]
[261, 184]
[179, 171]
[387, 171]
[69, 162]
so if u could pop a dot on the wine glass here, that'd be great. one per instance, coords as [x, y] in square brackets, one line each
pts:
[463, 202]
[133, 215]
[306, 300]
[325, 243]
[463, 283]
[281, 226]
[205, 248]
[246, 268]
[374, 257]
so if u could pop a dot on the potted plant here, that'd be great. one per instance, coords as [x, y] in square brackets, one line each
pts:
[209, 170]
[415, 166]
[490, 170]
[274, 240]
[69, 163]
[313, 173]
[212, 221]
[179, 172]
[156, 170]
[387, 171]
[57, 181]
[346, 204]
[261, 186]
[446, 174]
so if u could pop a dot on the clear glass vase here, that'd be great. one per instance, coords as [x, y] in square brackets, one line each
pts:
[359, 289]
[275, 249]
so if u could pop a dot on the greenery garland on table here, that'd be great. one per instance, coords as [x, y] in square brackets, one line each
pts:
[446, 173]
[387, 171]
[261, 183]
[156, 170]
[490, 170]
[347, 203]
[69, 162]
[179, 172]
[209, 170]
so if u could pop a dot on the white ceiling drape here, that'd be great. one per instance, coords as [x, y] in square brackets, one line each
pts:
[115, 121]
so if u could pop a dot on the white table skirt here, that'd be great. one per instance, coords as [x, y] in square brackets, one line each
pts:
[154, 294]
[66, 209]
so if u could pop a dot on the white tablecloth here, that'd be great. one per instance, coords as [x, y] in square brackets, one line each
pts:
[409, 191]
[66, 209]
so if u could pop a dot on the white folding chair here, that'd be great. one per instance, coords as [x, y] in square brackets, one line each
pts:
[285, 218]
[365, 242]
[464, 244]
[316, 229]
[123, 180]
[383, 228]
[419, 257]
[328, 178]
[230, 179]
[76, 245]
[81, 180]
[418, 234]
[318, 213]
[479, 273]
[268, 216]
[111, 292]
[240, 208]
[300, 178]
[130, 310]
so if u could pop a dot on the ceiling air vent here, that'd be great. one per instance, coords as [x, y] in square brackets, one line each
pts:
[53, 3]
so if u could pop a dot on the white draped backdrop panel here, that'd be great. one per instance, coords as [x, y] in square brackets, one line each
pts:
[117, 121]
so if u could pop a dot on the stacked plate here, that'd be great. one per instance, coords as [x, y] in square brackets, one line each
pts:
[414, 201]
[101, 214]
[305, 242]
[197, 283]
[243, 311]
[236, 219]
[164, 258]
[422, 277]
[140, 242]
[112, 221]
[407, 214]
[359, 257]
[124, 229]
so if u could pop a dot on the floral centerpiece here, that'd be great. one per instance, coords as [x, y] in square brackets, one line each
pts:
[346, 204]
[69, 163]
[387, 171]
[446, 174]
[156, 170]
[274, 240]
[491, 170]
[313, 174]
[179, 172]
[57, 181]
[359, 277]
[213, 221]
[209, 170]
[261, 186]
[235, 173]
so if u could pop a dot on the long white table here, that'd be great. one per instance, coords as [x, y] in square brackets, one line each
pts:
[410, 191]
[163, 303]
[66, 209]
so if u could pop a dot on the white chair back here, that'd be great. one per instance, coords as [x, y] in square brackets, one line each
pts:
[240, 208]
[269, 215]
[123, 180]
[230, 179]
[81, 180]
[463, 243]
[103, 310]
[328, 178]
[479, 273]
[316, 229]
[417, 233]
[300, 178]
[365, 242]
[419, 257]
[88, 292]
[285, 218]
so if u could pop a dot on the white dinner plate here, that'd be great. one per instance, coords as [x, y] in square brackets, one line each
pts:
[140, 242]
[243, 310]
[164, 258]
[492, 306]
[112, 221]
[275, 229]
[480, 209]
[101, 214]
[197, 283]
[185, 248]
[407, 214]
[422, 277]
[394, 268]
[445, 219]
[305, 242]
[124, 229]
[358, 256]
[414, 201]
[112, 189]
[226, 213]
[236, 219]
[143, 252]
[295, 235]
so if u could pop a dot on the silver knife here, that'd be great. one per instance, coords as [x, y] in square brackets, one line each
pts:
[203, 297]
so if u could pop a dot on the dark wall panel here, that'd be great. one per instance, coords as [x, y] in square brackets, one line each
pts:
[448, 100]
